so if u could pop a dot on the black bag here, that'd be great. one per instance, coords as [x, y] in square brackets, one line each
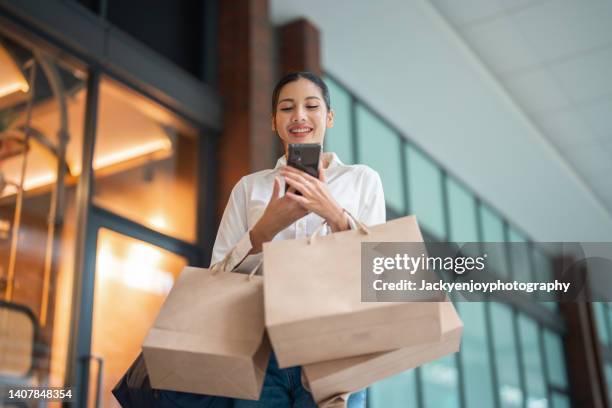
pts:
[134, 391]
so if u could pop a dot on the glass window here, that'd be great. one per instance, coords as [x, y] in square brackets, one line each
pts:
[555, 359]
[139, 274]
[475, 358]
[600, 310]
[37, 238]
[519, 256]
[506, 356]
[441, 383]
[339, 138]
[462, 210]
[609, 379]
[493, 231]
[145, 163]
[425, 188]
[560, 400]
[379, 148]
[542, 270]
[532, 363]
[399, 391]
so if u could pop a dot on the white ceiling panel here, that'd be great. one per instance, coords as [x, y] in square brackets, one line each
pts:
[590, 160]
[496, 43]
[563, 27]
[512, 5]
[599, 118]
[467, 11]
[587, 77]
[565, 128]
[537, 91]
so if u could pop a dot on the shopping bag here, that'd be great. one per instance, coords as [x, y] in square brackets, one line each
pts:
[209, 337]
[312, 298]
[330, 382]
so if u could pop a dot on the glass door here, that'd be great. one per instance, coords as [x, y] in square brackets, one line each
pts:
[132, 280]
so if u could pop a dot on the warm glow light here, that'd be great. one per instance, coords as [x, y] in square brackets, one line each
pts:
[108, 160]
[14, 87]
[158, 222]
[139, 270]
[11, 78]
[132, 152]
[31, 183]
[139, 254]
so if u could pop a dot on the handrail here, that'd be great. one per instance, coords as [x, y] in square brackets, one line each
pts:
[35, 333]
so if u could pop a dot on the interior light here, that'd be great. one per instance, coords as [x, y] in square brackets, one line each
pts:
[158, 221]
[11, 77]
[131, 153]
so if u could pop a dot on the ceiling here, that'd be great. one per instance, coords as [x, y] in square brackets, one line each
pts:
[511, 96]
[555, 58]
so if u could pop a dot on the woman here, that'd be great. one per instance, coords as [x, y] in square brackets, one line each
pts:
[258, 211]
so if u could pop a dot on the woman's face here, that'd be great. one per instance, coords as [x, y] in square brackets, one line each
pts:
[301, 115]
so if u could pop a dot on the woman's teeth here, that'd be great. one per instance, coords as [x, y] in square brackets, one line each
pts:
[300, 130]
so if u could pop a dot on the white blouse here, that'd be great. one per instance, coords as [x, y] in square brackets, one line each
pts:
[357, 188]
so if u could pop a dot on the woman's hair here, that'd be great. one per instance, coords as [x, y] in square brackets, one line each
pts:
[294, 76]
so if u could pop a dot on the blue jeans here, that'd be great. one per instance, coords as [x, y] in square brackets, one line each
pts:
[283, 388]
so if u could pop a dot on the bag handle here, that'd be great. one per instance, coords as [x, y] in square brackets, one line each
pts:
[356, 223]
[337, 401]
[255, 268]
[221, 266]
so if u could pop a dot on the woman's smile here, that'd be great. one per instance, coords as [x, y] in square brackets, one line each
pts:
[300, 131]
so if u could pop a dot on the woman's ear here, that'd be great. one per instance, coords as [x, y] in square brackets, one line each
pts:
[272, 122]
[330, 119]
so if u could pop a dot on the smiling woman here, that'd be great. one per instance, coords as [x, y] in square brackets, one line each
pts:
[258, 212]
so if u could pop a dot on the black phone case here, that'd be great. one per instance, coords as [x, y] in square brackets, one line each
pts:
[304, 157]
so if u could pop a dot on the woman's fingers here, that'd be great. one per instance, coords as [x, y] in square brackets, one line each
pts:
[292, 170]
[297, 198]
[321, 172]
[298, 183]
[276, 188]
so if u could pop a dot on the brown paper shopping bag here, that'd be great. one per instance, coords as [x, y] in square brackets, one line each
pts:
[209, 337]
[330, 382]
[312, 298]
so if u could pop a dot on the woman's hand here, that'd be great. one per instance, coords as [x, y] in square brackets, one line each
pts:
[280, 212]
[315, 196]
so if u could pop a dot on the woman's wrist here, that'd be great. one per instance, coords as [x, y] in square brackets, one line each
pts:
[259, 235]
[338, 221]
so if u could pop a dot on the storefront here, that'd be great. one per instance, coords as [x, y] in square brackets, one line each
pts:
[105, 194]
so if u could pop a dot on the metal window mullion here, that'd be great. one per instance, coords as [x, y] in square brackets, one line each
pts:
[519, 350]
[79, 344]
[354, 129]
[544, 361]
[489, 330]
[445, 203]
[507, 253]
[405, 174]
[419, 387]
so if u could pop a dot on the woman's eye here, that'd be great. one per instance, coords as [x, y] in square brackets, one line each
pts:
[286, 109]
[312, 106]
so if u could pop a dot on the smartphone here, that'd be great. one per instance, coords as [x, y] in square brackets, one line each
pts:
[305, 157]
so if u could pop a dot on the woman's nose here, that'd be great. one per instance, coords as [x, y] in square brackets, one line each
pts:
[299, 114]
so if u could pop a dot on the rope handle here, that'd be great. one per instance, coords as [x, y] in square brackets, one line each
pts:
[255, 268]
[355, 224]
[221, 266]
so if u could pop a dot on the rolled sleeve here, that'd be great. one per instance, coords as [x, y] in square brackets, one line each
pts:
[233, 235]
[372, 209]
